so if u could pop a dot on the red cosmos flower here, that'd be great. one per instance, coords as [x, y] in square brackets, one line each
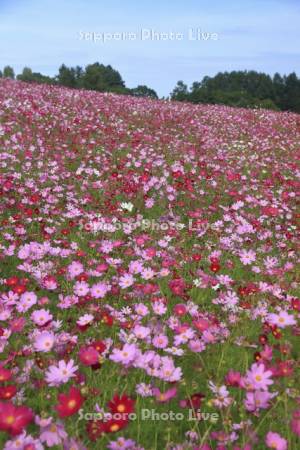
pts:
[69, 403]
[82, 277]
[149, 288]
[201, 324]
[177, 286]
[194, 402]
[197, 257]
[263, 339]
[270, 211]
[233, 378]
[19, 289]
[5, 374]
[12, 281]
[180, 309]
[215, 267]
[88, 356]
[296, 304]
[99, 346]
[14, 419]
[284, 369]
[17, 324]
[121, 404]
[7, 392]
[107, 319]
[112, 426]
[95, 429]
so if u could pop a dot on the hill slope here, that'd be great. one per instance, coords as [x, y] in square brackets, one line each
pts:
[149, 266]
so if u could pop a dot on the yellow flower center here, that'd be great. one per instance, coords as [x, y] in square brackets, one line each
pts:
[10, 420]
[71, 403]
[121, 408]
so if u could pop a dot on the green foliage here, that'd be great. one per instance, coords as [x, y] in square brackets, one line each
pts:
[244, 89]
[66, 76]
[180, 92]
[29, 76]
[144, 91]
[8, 72]
[101, 78]
[96, 77]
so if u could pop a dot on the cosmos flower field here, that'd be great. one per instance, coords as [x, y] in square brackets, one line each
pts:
[149, 290]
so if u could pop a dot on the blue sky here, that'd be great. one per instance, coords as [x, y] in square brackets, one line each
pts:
[263, 35]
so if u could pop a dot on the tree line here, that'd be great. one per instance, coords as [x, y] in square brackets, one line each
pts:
[248, 89]
[96, 77]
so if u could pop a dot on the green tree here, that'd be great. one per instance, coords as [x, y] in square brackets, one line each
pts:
[244, 89]
[102, 78]
[26, 75]
[180, 92]
[144, 91]
[292, 93]
[8, 72]
[279, 88]
[29, 76]
[66, 76]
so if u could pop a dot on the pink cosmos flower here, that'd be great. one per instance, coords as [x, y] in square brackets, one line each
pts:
[258, 400]
[122, 444]
[147, 273]
[71, 444]
[41, 317]
[160, 341]
[135, 267]
[222, 398]
[61, 373]
[126, 281]
[44, 341]
[275, 441]
[74, 269]
[184, 337]
[126, 355]
[159, 308]
[247, 256]
[163, 397]
[196, 345]
[23, 441]
[27, 300]
[52, 433]
[141, 309]
[81, 288]
[99, 290]
[258, 378]
[84, 320]
[281, 320]
[144, 390]
[168, 371]
[141, 332]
